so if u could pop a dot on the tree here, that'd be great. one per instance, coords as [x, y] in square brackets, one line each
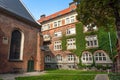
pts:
[101, 12]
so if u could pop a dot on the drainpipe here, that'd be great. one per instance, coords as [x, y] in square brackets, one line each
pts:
[110, 43]
[110, 46]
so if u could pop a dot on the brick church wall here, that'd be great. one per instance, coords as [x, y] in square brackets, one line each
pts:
[7, 25]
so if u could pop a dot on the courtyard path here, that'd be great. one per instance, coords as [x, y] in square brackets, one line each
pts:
[101, 77]
[12, 76]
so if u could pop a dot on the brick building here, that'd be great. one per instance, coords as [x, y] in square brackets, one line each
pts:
[53, 28]
[20, 39]
[61, 44]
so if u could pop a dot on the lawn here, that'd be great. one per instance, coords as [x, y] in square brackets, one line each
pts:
[114, 76]
[63, 75]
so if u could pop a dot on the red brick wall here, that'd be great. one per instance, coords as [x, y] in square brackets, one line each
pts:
[51, 33]
[7, 25]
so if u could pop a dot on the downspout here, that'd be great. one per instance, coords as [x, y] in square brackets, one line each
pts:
[110, 43]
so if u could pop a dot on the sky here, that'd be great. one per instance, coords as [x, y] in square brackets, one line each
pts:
[47, 7]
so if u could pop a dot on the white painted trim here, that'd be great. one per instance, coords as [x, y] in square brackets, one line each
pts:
[22, 45]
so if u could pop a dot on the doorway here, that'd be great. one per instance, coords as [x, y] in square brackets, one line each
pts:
[30, 66]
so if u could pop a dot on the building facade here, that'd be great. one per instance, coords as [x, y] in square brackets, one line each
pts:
[68, 44]
[20, 39]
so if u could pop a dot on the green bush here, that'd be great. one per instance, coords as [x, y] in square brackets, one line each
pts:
[114, 76]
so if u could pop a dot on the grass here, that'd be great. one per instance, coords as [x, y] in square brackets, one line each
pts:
[64, 75]
[114, 76]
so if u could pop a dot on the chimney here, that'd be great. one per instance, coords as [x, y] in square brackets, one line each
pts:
[72, 5]
[43, 16]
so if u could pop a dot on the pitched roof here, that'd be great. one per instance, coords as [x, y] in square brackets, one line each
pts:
[62, 12]
[17, 8]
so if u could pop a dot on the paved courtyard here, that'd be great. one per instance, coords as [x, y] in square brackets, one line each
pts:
[101, 77]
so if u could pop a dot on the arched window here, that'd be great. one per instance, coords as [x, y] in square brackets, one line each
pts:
[47, 58]
[86, 57]
[100, 56]
[16, 46]
[58, 58]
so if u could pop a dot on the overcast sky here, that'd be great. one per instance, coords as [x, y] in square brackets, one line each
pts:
[39, 7]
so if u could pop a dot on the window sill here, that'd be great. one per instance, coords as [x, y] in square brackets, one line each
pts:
[15, 60]
[91, 47]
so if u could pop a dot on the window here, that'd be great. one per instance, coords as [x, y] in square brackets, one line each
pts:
[72, 19]
[47, 58]
[58, 58]
[86, 57]
[67, 20]
[90, 27]
[59, 23]
[71, 66]
[46, 27]
[100, 56]
[55, 24]
[91, 41]
[57, 45]
[70, 31]
[46, 47]
[71, 57]
[58, 34]
[47, 66]
[71, 43]
[16, 47]
[58, 66]
[46, 37]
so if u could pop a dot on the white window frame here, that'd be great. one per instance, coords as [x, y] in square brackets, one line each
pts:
[48, 58]
[91, 41]
[58, 34]
[45, 27]
[59, 23]
[100, 57]
[72, 19]
[58, 57]
[70, 57]
[87, 26]
[87, 57]
[58, 45]
[67, 20]
[71, 31]
[71, 43]
[55, 24]
[46, 37]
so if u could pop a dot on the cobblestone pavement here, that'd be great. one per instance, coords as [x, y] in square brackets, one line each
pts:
[12, 76]
[101, 77]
